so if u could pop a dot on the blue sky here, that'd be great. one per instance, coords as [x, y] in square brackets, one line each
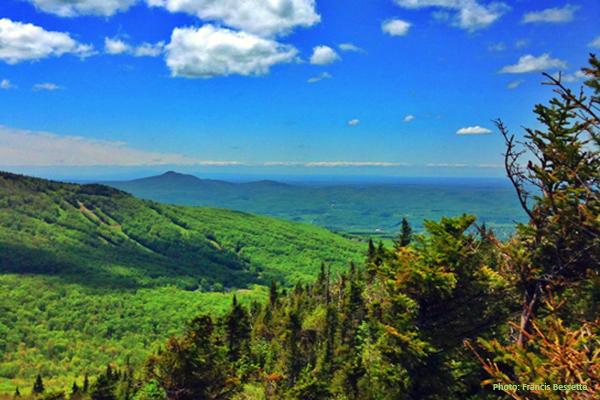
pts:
[384, 87]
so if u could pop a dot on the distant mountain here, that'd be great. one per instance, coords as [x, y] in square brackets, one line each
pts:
[366, 210]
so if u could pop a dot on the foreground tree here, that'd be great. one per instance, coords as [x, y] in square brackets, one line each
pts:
[561, 243]
[555, 259]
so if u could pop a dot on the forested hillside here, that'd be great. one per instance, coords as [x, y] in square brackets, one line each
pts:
[90, 274]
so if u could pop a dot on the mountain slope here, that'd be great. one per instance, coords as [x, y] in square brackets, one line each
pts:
[90, 274]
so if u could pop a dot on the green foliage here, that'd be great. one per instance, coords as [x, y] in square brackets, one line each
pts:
[91, 275]
[363, 336]
[554, 261]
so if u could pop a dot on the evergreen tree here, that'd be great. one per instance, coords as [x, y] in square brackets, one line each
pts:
[103, 389]
[75, 389]
[237, 329]
[405, 236]
[560, 245]
[273, 294]
[38, 386]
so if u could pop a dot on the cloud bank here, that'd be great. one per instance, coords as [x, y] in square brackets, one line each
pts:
[30, 148]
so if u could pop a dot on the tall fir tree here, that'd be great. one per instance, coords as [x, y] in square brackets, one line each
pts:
[38, 386]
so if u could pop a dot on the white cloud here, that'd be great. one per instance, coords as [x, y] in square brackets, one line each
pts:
[116, 46]
[595, 42]
[529, 63]
[349, 47]
[577, 76]
[564, 14]
[22, 147]
[395, 27]
[497, 47]
[260, 17]
[333, 164]
[323, 55]
[353, 122]
[447, 165]
[27, 42]
[47, 86]
[5, 84]
[521, 43]
[209, 52]
[352, 164]
[409, 118]
[473, 130]
[439, 117]
[72, 8]
[149, 50]
[469, 14]
[514, 84]
[324, 75]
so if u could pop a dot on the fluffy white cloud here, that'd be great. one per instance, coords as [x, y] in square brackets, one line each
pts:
[349, 47]
[5, 84]
[324, 75]
[497, 47]
[473, 130]
[27, 42]
[22, 147]
[409, 118]
[47, 86]
[529, 63]
[323, 55]
[564, 14]
[72, 8]
[595, 42]
[469, 14]
[260, 17]
[209, 52]
[395, 27]
[514, 84]
[116, 46]
[353, 122]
